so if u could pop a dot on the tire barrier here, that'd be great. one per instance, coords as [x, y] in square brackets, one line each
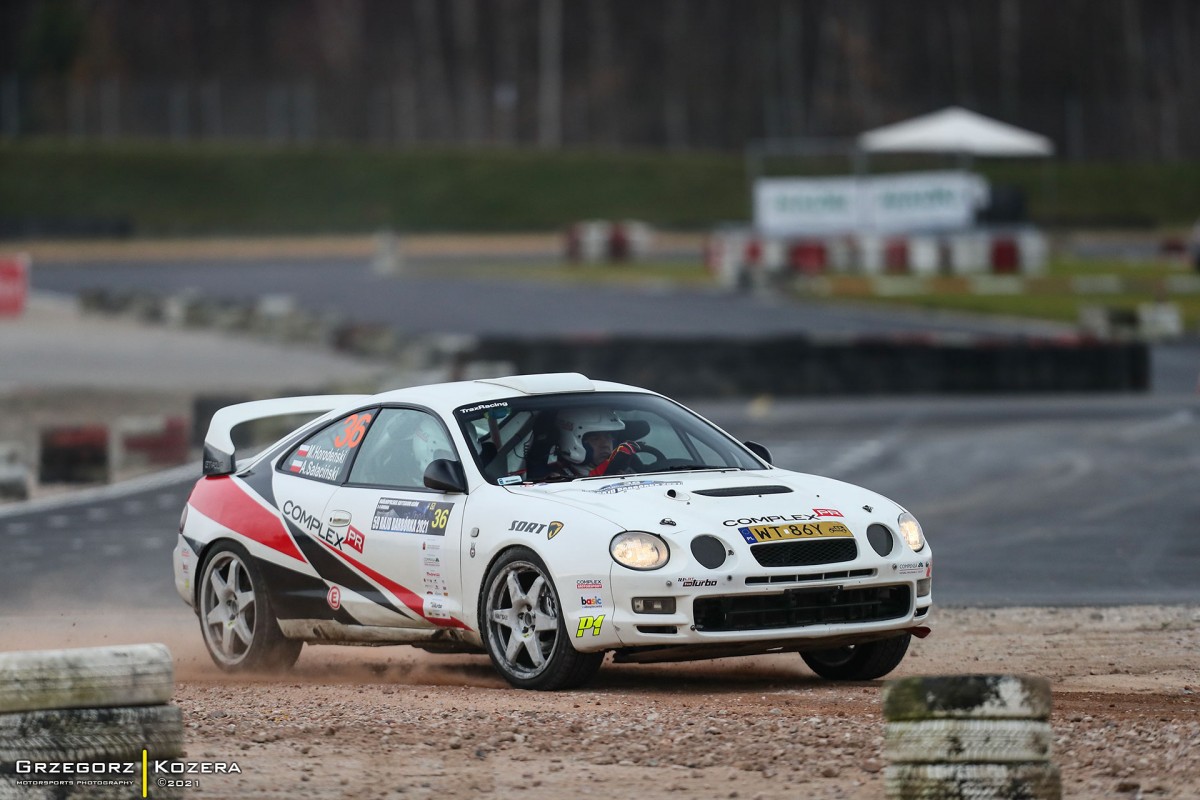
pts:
[87, 677]
[79, 723]
[799, 366]
[976, 737]
[74, 454]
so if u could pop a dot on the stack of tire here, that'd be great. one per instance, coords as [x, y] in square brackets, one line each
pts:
[81, 708]
[969, 737]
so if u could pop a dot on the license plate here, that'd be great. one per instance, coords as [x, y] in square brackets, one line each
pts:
[807, 530]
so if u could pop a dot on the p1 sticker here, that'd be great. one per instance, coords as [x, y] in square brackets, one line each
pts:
[589, 624]
[411, 516]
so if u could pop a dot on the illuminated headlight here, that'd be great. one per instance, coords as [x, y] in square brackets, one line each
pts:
[910, 529]
[638, 550]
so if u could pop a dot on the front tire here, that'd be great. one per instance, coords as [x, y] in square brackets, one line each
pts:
[239, 627]
[522, 624]
[859, 662]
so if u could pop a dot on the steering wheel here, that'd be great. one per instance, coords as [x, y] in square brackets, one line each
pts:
[657, 454]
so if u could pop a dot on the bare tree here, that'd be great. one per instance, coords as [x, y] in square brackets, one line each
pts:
[550, 38]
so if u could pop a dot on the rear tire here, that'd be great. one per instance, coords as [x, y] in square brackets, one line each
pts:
[521, 620]
[859, 662]
[236, 616]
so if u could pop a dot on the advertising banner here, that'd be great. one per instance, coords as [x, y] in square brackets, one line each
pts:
[914, 201]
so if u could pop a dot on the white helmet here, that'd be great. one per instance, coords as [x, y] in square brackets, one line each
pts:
[428, 442]
[574, 423]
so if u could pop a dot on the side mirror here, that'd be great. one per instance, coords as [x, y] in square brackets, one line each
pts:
[445, 475]
[759, 450]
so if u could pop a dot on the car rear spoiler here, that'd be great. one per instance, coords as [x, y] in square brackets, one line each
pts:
[218, 442]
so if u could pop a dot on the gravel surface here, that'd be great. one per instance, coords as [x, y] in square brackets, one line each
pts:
[396, 722]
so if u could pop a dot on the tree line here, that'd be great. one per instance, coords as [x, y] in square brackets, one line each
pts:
[1105, 79]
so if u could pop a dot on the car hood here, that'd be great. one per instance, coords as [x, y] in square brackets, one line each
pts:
[714, 501]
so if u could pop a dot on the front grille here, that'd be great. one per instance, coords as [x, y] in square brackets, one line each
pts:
[744, 491]
[799, 607]
[814, 577]
[804, 553]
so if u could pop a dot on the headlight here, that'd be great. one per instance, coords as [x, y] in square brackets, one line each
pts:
[638, 550]
[910, 529]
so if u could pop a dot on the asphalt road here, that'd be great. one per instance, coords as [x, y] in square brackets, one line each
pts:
[1028, 501]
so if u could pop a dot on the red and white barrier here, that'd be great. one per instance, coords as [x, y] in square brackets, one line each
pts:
[743, 257]
[14, 284]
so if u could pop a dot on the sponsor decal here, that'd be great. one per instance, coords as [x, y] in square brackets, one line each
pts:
[689, 583]
[591, 602]
[298, 515]
[589, 583]
[435, 608]
[628, 486]
[397, 515]
[356, 539]
[808, 530]
[522, 526]
[483, 407]
[923, 568]
[731, 523]
[827, 512]
[334, 598]
[508, 480]
[592, 624]
[431, 555]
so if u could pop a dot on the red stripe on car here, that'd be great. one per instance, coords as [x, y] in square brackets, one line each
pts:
[407, 596]
[223, 499]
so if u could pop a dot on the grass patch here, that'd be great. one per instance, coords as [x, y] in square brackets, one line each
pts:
[176, 190]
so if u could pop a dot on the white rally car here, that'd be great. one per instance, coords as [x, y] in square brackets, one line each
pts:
[462, 517]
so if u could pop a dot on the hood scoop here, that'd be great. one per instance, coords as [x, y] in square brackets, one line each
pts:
[743, 491]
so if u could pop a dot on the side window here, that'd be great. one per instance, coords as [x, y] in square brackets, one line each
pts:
[326, 455]
[399, 447]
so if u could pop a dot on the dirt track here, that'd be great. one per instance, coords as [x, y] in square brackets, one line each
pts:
[394, 722]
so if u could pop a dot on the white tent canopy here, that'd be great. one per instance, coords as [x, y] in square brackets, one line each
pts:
[955, 130]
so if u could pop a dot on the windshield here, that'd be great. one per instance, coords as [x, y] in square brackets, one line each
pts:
[569, 436]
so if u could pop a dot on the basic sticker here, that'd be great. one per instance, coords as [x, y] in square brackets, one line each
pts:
[397, 515]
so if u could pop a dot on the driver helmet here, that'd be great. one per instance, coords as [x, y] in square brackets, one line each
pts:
[574, 424]
[428, 442]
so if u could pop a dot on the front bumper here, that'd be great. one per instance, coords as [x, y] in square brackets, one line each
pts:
[768, 608]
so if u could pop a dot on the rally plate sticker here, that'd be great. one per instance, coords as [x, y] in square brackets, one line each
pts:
[807, 530]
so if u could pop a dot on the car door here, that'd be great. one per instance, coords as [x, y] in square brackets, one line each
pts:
[399, 536]
[303, 481]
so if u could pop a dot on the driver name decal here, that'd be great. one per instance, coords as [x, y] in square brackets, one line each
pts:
[396, 515]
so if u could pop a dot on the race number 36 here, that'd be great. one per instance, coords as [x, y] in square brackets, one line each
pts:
[356, 426]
